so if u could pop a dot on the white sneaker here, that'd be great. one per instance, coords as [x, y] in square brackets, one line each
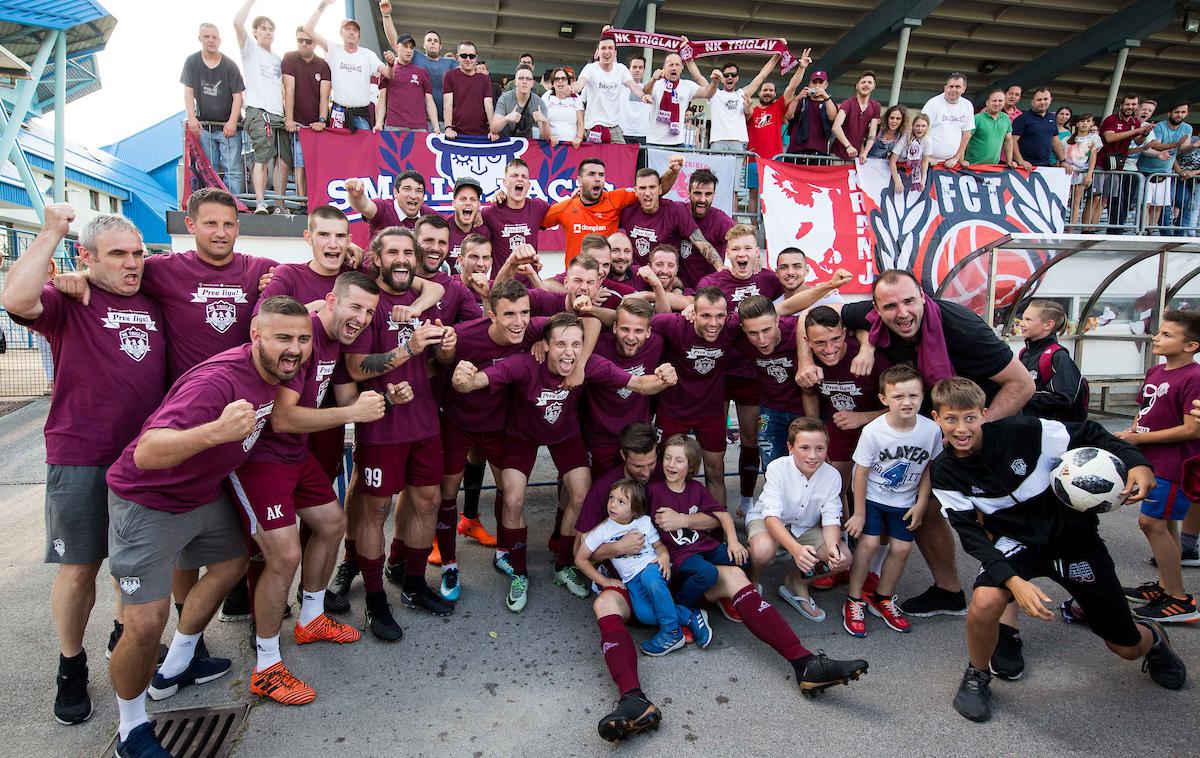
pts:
[261, 209]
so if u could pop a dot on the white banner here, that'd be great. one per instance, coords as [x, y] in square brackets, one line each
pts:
[724, 167]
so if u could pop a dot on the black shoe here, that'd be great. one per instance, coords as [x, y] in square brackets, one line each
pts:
[236, 606]
[819, 672]
[72, 705]
[333, 603]
[394, 573]
[974, 697]
[381, 622]
[342, 579]
[1007, 661]
[1163, 664]
[115, 636]
[426, 599]
[633, 714]
[936, 601]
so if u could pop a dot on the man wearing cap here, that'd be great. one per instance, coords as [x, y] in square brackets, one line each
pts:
[352, 67]
[429, 59]
[467, 196]
[406, 99]
[812, 124]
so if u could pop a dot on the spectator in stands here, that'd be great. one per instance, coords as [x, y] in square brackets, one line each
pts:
[468, 96]
[914, 151]
[406, 98]
[635, 114]
[519, 109]
[991, 141]
[306, 85]
[1012, 102]
[602, 80]
[893, 125]
[352, 67]
[1118, 131]
[525, 59]
[1035, 134]
[1080, 153]
[263, 74]
[767, 119]
[482, 68]
[671, 96]
[212, 97]
[1062, 117]
[1187, 199]
[951, 121]
[727, 106]
[812, 121]
[1167, 138]
[431, 59]
[857, 119]
[564, 109]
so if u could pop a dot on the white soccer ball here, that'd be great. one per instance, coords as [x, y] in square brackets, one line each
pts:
[1089, 480]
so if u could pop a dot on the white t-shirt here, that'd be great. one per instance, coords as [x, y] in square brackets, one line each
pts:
[947, 123]
[627, 566]
[562, 116]
[350, 75]
[799, 502]
[635, 116]
[659, 133]
[896, 459]
[262, 73]
[728, 115]
[603, 92]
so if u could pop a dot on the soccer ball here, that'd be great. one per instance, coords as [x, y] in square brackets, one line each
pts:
[1089, 480]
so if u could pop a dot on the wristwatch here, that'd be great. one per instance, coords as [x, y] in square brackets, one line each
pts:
[324, 120]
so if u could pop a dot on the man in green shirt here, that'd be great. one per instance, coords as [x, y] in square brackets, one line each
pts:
[992, 135]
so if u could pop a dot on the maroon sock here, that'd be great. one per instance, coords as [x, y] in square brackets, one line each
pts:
[447, 530]
[767, 624]
[498, 509]
[351, 551]
[397, 551]
[372, 573]
[514, 540]
[414, 567]
[558, 517]
[620, 655]
[565, 556]
[748, 469]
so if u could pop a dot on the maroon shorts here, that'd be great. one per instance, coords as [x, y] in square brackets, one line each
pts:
[329, 448]
[604, 458]
[457, 442]
[384, 470]
[568, 455]
[743, 390]
[710, 432]
[270, 493]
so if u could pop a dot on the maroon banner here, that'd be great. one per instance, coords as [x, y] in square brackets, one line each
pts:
[335, 155]
[198, 171]
[704, 48]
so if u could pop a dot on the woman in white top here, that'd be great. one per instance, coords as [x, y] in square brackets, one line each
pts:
[565, 110]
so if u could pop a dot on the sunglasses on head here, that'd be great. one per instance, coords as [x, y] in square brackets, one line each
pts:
[468, 56]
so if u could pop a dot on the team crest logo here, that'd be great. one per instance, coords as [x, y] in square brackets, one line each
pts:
[1081, 571]
[1033, 375]
[841, 402]
[516, 240]
[135, 343]
[403, 329]
[130, 584]
[685, 249]
[704, 365]
[552, 412]
[643, 246]
[552, 401]
[778, 373]
[1019, 468]
[60, 547]
[262, 414]
[220, 315]
[484, 162]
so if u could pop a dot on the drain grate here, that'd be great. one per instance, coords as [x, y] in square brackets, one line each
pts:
[8, 406]
[196, 732]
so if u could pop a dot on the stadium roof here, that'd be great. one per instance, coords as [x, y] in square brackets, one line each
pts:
[152, 147]
[87, 23]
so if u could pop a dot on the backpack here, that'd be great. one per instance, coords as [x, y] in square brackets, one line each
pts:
[1079, 409]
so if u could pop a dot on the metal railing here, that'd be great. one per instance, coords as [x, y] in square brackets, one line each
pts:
[1109, 204]
[1172, 205]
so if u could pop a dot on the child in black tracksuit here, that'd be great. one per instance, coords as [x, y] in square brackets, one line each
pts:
[993, 483]
[1056, 379]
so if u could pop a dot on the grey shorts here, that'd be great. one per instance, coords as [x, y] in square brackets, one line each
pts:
[76, 514]
[146, 544]
[814, 537]
[268, 138]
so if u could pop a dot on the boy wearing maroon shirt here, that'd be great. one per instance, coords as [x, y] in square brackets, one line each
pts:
[116, 340]
[398, 452]
[167, 507]
[515, 220]
[653, 221]
[544, 411]
[406, 205]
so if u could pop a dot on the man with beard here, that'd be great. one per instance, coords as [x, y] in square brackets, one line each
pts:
[657, 221]
[620, 267]
[857, 119]
[398, 452]
[406, 206]
[282, 480]
[1166, 140]
[766, 120]
[514, 220]
[603, 79]
[167, 507]
[663, 274]
[713, 224]
[433, 245]
[465, 221]
[607, 294]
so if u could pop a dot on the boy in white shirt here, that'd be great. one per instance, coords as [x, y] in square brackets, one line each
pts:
[891, 491]
[800, 509]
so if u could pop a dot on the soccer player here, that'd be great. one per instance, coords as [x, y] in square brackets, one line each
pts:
[117, 340]
[433, 245]
[466, 220]
[713, 224]
[406, 206]
[516, 219]
[654, 221]
[167, 507]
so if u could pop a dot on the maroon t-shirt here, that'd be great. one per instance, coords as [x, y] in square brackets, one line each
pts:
[456, 239]
[457, 304]
[386, 215]
[856, 124]
[297, 280]
[110, 372]
[470, 116]
[311, 383]
[1119, 148]
[511, 227]
[414, 420]
[306, 108]
[207, 308]
[546, 303]
[484, 410]
[682, 544]
[764, 283]
[606, 410]
[406, 92]
[1167, 397]
[595, 503]
[540, 409]
[669, 225]
[699, 365]
[713, 225]
[199, 397]
[776, 371]
[841, 390]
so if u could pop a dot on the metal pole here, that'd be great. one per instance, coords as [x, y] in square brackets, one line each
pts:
[60, 118]
[651, 17]
[26, 174]
[1110, 103]
[898, 69]
[24, 96]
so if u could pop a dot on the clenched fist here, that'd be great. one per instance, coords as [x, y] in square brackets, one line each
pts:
[236, 421]
[666, 374]
[57, 219]
[369, 406]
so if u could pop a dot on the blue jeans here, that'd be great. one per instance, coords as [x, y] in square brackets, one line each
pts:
[225, 155]
[1186, 208]
[360, 122]
[651, 602]
[772, 434]
[698, 573]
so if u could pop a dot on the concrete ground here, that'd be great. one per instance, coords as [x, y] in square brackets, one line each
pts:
[487, 682]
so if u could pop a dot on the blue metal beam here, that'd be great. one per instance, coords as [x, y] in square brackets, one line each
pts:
[24, 96]
[1136, 21]
[871, 33]
[25, 172]
[60, 118]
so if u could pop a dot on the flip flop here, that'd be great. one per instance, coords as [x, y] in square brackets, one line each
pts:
[805, 606]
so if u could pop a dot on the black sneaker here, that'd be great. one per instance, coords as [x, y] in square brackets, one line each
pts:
[381, 622]
[426, 599]
[633, 714]
[1148, 592]
[394, 573]
[819, 672]
[333, 603]
[1190, 558]
[236, 606]
[342, 579]
[72, 705]
[115, 636]
[974, 698]
[1163, 664]
[1007, 661]
[936, 601]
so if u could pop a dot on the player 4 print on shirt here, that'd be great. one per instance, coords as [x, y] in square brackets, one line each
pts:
[220, 310]
[901, 465]
[133, 331]
[704, 359]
